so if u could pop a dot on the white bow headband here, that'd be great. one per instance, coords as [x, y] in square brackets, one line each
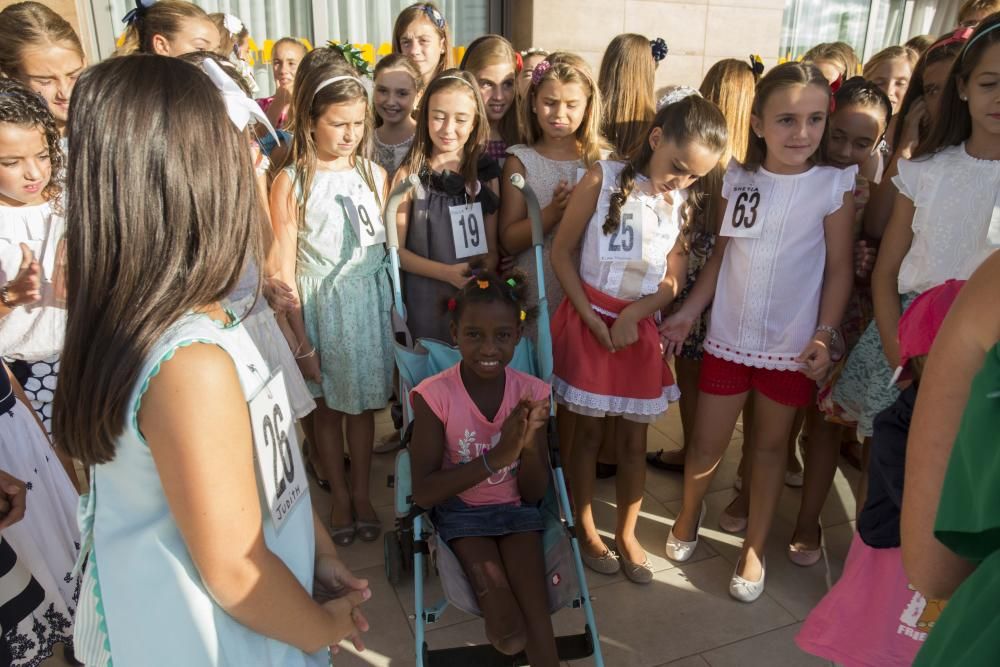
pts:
[239, 107]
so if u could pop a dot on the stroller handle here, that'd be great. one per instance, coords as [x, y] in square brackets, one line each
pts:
[534, 210]
[395, 197]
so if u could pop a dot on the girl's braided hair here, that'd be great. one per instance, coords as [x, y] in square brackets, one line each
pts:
[690, 119]
[488, 287]
[21, 106]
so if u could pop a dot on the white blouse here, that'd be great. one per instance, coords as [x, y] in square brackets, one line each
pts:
[631, 262]
[955, 196]
[767, 299]
[33, 332]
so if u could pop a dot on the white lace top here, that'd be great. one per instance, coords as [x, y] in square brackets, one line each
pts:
[767, 299]
[955, 196]
[653, 236]
[34, 332]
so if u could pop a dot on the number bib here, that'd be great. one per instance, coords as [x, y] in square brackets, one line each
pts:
[625, 243]
[745, 210]
[468, 230]
[365, 218]
[276, 448]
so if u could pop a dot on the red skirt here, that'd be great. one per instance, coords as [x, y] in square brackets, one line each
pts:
[634, 383]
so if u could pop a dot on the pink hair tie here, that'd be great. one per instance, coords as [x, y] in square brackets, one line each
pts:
[539, 71]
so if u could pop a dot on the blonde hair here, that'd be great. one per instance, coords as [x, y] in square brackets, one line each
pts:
[568, 68]
[423, 146]
[229, 42]
[424, 10]
[496, 50]
[162, 18]
[730, 84]
[626, 82]
[887, 55]
[840, 54]
[27, 24]
[973, 7]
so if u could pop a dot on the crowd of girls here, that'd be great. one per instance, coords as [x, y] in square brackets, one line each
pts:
[780, 244]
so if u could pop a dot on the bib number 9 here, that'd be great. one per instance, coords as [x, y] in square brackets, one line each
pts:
[368, 229]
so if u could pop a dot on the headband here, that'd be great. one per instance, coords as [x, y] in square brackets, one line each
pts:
[342, 77]
[460, 78]
[239, 107]
[434, 15]
[968, 45]
[138, 12]
[659, 49]
[539, 71]
[676, 95]
[960, 35]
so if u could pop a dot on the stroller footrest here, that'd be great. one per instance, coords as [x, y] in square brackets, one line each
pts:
[569, 647]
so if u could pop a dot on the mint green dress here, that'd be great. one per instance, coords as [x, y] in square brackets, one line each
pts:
[346, 296]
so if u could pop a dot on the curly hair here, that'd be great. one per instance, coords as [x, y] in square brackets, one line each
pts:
[488, 287]
[21, 106]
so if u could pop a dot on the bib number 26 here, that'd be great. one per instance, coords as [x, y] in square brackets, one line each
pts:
[279, 461]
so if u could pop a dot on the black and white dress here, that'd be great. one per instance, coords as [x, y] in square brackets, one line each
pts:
[38, 591]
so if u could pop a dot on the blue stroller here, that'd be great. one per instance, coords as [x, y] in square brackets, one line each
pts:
[410, 546]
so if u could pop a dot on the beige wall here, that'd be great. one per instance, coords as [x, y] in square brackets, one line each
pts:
[698, 32]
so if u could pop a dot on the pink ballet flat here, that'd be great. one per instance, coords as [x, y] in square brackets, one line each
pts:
[806, 557]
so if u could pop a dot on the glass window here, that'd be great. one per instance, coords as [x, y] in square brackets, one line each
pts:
[367, 23]
[867, 25]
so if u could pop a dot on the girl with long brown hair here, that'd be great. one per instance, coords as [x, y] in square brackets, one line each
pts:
[493, 61]
[328, 201]
[448, 224]
[168, 28]
[630, 222]
[421, 32]
[169, 403]
[626, 80]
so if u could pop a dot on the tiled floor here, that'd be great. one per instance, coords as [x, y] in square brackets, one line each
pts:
[684, 619]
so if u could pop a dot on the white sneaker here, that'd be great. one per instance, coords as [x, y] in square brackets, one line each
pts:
[679, 550]
[744, 590]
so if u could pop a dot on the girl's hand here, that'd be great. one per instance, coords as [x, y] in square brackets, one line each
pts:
[310, 364]
[600, 330]
[816, 359]
[279, 295]
[26, 287]
[506, 264]
[13, 495]
[537, 418]
[512, 437]
[864, 259]
[674, 331]
[624, 331]
[458, 274]
[332, 579]
[348, 619]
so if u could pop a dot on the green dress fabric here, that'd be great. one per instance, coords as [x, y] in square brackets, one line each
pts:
[346, 298]
[968, 523]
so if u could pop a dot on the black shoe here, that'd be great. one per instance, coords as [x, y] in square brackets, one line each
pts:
[654, 459]
[606, 470]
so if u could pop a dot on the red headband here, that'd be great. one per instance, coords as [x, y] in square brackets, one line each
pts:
[959, 36]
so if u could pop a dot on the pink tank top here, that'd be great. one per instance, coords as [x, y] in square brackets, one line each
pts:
[469, 434]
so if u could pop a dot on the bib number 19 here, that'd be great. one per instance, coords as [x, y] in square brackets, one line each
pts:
[468, 230]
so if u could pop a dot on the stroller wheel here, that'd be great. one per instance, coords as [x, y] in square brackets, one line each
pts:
[393, 557]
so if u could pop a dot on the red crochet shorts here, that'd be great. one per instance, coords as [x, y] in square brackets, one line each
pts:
[727, 378]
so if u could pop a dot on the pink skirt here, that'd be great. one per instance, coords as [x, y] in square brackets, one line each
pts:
[634, 383]
[872, 617]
